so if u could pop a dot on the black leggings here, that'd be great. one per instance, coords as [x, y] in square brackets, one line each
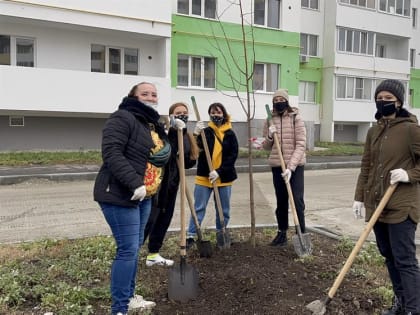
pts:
[297, 186]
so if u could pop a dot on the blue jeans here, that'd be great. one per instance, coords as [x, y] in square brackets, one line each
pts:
[201, 199]
[127, 226]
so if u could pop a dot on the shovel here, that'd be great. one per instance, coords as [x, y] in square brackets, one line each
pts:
[319, 307]
[301, 241]
[223, 239]
[183, 278]
[204, 247]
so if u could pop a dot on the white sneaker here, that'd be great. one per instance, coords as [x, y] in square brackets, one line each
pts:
[119, 313]
[137, 301]
[156, 259]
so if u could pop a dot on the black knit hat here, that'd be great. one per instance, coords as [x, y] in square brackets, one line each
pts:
[393, 86]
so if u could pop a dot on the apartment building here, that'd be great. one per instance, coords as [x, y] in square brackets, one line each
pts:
[65, 65]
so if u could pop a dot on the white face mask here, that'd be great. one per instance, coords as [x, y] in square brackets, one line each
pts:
[152, 105]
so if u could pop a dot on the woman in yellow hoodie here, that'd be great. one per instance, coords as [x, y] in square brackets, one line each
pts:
[223, 148]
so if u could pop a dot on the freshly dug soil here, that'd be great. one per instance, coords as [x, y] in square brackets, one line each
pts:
[271, 280]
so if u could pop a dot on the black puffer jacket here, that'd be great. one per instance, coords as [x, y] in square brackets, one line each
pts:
[226, 171]
[126, 145]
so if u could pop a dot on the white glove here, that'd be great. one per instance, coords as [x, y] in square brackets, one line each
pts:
[198, 127]
[358, 207]
[271, 130]
[213, 176]
[178, 123]
[287, 174]
[139, 193]
[399, 175]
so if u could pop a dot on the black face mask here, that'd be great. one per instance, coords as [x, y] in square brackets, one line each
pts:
[280, 107]
[385, 108]
[218, 120]
[184, 118]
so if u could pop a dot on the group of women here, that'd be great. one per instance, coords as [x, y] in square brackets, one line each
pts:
[137, 184]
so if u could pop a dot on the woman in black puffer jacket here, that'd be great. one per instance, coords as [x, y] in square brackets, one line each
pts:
[123, 185]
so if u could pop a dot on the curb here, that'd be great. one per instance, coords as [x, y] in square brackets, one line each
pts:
[16, 179]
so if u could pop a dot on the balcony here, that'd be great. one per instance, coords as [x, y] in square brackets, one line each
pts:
[67, 92]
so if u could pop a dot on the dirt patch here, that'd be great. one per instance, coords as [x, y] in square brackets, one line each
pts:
[272, 280]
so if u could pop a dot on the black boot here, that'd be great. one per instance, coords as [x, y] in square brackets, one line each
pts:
[396, 308]
[280, 239]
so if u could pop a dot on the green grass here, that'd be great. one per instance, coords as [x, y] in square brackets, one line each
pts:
[27, 158]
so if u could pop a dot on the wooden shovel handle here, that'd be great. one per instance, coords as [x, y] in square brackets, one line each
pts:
[181, 167]
[210, 165]
[368, 228]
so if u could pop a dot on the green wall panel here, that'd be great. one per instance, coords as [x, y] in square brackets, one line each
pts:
[224, 41]
[415, 86]
[312, 71]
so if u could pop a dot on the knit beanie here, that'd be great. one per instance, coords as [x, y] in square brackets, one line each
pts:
[393, 86]
[281, 92]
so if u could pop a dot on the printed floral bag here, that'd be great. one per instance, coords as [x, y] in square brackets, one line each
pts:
[154, 172]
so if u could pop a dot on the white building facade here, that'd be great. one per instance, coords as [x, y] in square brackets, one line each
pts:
[65, 65]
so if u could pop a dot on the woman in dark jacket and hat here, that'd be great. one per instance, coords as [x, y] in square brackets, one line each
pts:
[392, 155]
[126, 181]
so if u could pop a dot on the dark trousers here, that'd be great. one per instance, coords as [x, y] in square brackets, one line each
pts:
[396, 244]
[158, 224]
[297, 186]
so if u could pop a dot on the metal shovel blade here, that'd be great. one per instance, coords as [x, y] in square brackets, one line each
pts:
[223, 239]
[204, 248]
[302, 244]
[182, 282]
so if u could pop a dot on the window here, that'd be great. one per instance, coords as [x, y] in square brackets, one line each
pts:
[204, 8]
[17, 51]
[309, 4]
[354, 88]
[397, 7]
[194, 71]
[412, 58]
[267, 13]
[308, 44]
[380, 51]
[361, 3]
[307, 91]
[114, 60]
[16, 121]
[414, 17]
[266, 77]
[355, 41]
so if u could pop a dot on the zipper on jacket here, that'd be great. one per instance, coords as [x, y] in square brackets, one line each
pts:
[381, 174]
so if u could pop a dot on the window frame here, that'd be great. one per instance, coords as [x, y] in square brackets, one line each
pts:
[308, 6]
[309, 38]
[122, 57]
[265, 78]
[399, 4]
[306, 85]
[351, 88]
[13, 50]
[358, 4]
[366, 40]
[267, 21]
[203, 9]
[203, 73]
